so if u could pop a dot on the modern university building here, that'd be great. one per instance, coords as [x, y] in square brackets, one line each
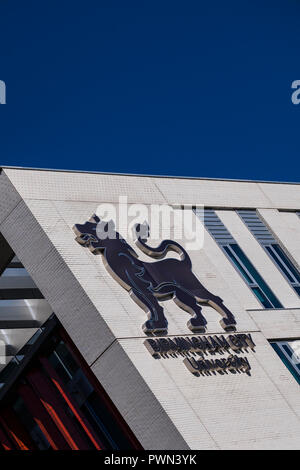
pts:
[112, 342]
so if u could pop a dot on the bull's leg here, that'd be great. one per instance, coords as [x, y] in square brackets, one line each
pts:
[187, 302]
[157, 322]
[228, 321]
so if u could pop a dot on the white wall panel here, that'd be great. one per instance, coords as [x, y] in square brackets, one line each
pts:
[236, 411]
[282, 196]
[212, 193]
[67, 186]
[277, 324]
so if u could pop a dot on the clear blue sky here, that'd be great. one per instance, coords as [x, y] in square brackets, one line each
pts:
[198, 88]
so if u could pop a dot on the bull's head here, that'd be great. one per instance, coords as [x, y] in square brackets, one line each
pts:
[95, 234]
[87, 233]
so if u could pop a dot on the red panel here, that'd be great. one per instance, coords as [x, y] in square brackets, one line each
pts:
[4, 441]
[101, 392]
[54, 406]
[43, 420]
[15, 430]
[71, 403]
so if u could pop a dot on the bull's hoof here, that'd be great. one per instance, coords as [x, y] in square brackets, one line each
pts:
[227, 325]
[196, 326]
[155, 327]
[229, 328]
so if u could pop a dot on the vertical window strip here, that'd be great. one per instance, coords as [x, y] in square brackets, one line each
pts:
[238, 258]
[271, 246]
[289, 353]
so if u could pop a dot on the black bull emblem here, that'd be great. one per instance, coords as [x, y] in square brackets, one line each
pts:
[149, 283]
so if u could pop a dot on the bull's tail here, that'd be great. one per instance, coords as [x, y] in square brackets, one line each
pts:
[161, 251]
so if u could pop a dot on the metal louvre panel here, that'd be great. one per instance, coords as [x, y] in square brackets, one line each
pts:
[15, 338]
[23, 310]
[257, 227]
[215, 226]
[23, 313]
[17, 282]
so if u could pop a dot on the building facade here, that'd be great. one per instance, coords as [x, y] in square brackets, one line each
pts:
[145, 343]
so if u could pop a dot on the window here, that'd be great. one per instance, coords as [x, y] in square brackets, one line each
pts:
[289, 353]
[238, 258]
[271, 246]
[16, 283]
[57, 403]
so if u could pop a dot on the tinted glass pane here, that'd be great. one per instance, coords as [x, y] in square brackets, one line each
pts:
[287, 350]
[261, 297]
[66, 358]
[30, 425]
[87, 399]
[238, 265]
[286, 362]
[289, 264]
[60, 368]
[279, 263]
[257, 277]
[297, 289]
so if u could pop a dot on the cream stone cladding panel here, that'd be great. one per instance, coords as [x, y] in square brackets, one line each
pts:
[81, 186]
[259, 258]
[277, 324]
[212, 193]
[122, 315]
[72, 186]
[9, 197]
[231, 411]
[286, 227]
[282, 196]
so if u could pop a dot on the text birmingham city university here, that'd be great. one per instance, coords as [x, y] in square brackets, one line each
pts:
[156, 459]
[216, 344]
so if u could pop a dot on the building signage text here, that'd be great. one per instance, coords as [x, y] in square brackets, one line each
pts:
[196, 348]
